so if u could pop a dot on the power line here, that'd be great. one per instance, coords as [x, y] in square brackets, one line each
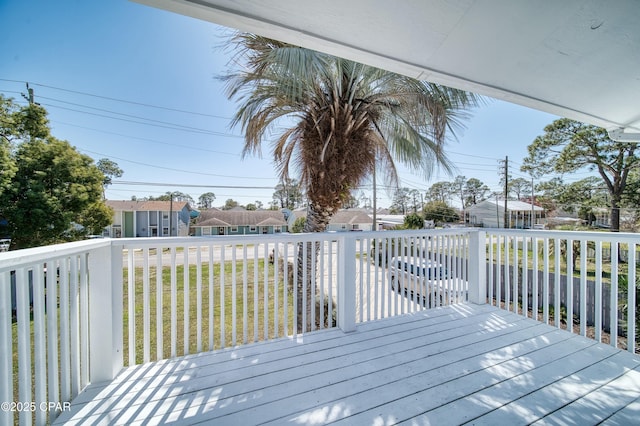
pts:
[186, 185]
[147, 139]
[172, 169]
[120, 100]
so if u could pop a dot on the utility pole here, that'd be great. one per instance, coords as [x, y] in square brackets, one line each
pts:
[29, 96]
[506, 191]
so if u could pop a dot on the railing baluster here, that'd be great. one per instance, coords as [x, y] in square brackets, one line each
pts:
[198, 299]
[557, 253]
[52, 330]
[212, 298]
[6, 342]
[598, 287]
[613, 304]
[569, 301]
[545, 285]
[285, 291]
[276, 293]
[65, 356]
[516, 270]
[146, 307]
[159, 306]
[74, 326]
[84, 321]
[265, 307]
[131, 319]
[525, 276]
[632, 332]
[507, 274]
[39, 343]
[324, 316]
[535, 274]
[174, 304]
[361, 287]
[490, 266]
[256, 288]
[24, 343]
[186, 302]
[583, 287]
[245, 289]
[222, 319]
[234, 296]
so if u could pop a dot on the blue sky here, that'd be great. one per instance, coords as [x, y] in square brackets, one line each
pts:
[137, 85]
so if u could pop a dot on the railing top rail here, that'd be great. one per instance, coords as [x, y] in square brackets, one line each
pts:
[573, 235]
[282, 237]
[17, 258]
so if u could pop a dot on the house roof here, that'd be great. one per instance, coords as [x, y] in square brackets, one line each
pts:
[131, 205]
[344, 216]
[215, 217]
[577, 59]
[512, 205]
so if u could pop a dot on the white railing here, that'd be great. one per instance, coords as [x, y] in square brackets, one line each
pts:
[585, 282]
[84, 310]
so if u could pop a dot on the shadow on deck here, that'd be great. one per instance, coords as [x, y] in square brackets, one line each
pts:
[463, 363]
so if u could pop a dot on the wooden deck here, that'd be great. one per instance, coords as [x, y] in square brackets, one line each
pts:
[447, 366]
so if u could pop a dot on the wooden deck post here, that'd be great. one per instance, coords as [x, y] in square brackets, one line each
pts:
[105, 313]
[347, 283]
[477, 267]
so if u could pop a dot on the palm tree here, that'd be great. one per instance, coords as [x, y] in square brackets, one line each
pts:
[335, 120]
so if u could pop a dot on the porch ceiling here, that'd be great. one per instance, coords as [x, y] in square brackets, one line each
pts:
[575, 58]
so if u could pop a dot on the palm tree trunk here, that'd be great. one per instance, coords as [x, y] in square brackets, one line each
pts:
[307, 261]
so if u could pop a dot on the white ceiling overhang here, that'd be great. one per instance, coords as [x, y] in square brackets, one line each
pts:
[573, 58]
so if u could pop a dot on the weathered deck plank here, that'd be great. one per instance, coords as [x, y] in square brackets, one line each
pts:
[464, 363]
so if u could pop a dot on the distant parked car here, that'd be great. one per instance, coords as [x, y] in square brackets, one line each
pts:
[420, 278]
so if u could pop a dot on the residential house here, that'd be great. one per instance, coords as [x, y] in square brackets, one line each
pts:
[346, 220]
[149, 219]
[490, 214]
[239, 222]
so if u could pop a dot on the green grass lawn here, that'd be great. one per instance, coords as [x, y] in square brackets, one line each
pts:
[242, 298]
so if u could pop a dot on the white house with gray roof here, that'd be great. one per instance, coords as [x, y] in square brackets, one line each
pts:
[490, 214]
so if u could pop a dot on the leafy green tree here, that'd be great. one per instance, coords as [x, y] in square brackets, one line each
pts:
[55, 186]
[230, 204]
[109, 169]
[475, 191]
[205, 201]
[175, 196]
[518, 187]
[251, 207]
[413, 221]
[440, 191]
[440, 212]
[298, 225]
[288, 193]
[49, 192]
[401, 200]
[568, 146]
[334, 121]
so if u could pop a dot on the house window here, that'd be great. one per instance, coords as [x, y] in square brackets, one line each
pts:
[165, 230]
[344, 226]
[206, 230]
[234, 229]
[253, 229]
[116, 231]
[356, 226]
[276, 228]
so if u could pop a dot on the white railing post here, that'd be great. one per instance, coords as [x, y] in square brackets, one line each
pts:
[477, 267]
[347, 283]
[105, 313]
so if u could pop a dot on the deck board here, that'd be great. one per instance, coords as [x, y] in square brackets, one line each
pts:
[464, 363]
